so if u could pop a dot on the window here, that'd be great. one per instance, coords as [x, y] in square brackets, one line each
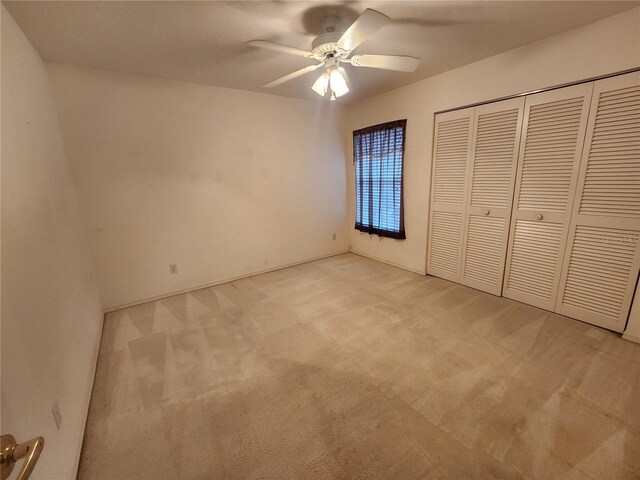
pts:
[378, 154]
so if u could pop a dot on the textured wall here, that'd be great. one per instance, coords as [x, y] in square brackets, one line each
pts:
[51, 315]
[221, 182]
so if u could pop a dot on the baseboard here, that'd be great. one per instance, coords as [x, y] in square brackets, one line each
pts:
[90, 381]
[219, 282]
[371, 257]
[631, 338]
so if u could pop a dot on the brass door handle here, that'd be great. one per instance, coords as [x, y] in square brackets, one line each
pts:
[13, 451]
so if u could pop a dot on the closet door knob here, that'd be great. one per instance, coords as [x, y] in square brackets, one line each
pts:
[486, 212]
[539, 216]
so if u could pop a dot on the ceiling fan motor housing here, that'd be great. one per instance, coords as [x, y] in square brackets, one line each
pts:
[325, 45]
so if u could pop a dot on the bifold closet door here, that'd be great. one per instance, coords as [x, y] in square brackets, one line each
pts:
[551, 146]
[603, 257]
[452, 144]
[491, 177]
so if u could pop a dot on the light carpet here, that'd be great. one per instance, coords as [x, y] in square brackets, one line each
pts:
[347, 368]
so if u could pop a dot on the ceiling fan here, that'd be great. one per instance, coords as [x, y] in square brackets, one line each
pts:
[331, 49]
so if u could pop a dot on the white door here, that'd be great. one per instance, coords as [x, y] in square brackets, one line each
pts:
[452, 147]
[491, 178]
[552, 140]
[603, 257]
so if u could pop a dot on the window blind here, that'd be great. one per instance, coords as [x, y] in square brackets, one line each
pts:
[378, 154]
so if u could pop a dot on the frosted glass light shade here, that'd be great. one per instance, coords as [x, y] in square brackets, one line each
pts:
[321, 84]
[338, 83]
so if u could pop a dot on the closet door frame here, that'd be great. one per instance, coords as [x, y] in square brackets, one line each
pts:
[593, 220]
[486, 210]
[440, 207]
[541, 215]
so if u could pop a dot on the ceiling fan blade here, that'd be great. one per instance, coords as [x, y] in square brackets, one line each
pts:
[386, 62]
[280, 48]
[365, 25]
[292, 75]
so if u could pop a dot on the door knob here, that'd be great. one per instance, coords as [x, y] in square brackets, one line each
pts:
[539, 216]
[486, 212]
[12, 451]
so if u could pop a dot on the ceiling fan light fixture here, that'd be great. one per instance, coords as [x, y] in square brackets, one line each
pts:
[338, 83]
[321, 84]
[332, 48]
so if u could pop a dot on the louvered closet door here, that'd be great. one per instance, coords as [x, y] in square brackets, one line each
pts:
[603, 258]
[452, 144]
[494, 157]
[552, 140]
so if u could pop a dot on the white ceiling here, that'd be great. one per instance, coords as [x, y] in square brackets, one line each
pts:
[204, 42]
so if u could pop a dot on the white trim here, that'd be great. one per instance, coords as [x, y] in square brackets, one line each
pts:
[91, 381]
[631, 338]
[371, 257]
[154, 298]
[544, 89]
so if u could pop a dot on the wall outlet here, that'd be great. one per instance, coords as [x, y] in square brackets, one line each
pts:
[57, 416]
[334, 236]
[173, 268]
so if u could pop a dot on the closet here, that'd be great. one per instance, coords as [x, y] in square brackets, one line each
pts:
[489, 193]
[552, 139]
[451, 153]
[474, 167]
[537, 198]
[602, 258]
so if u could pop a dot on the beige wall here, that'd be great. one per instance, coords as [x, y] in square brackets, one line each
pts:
[221, 182]
[51, 315]
[610, 45]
